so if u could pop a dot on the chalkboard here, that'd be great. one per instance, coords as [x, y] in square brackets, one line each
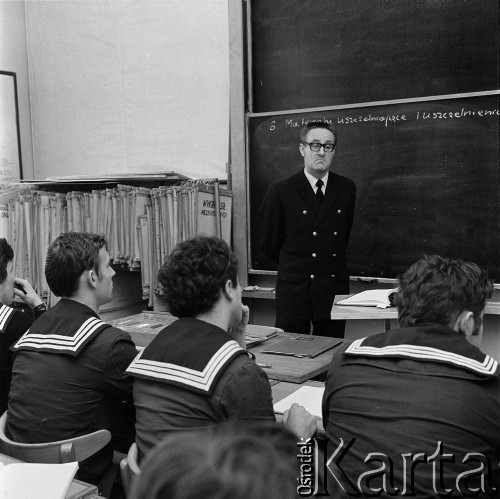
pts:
[331, 52]
[427, 177]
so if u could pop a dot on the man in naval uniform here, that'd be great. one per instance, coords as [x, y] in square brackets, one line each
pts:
[416, 411]
[306, 224]
[69, 368]
[196, 372]
[14, 322]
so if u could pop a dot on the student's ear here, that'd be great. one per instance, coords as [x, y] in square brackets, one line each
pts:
[465, 323]
[92, 278]
[228, 290]
[302, 149]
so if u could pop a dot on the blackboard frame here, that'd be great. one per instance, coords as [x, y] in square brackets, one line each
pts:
[251, 116]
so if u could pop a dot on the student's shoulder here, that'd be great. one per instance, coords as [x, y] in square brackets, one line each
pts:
[111, 334]
[243, 370]
[16, 319]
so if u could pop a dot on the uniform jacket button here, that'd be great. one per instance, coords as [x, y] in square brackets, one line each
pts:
[305, 212]
[312, 276]
[315, 233]
[339, 211]
[314, 255]
[334, 233]
[334, 255]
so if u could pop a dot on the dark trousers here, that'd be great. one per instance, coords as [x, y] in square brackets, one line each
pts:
[325, 327]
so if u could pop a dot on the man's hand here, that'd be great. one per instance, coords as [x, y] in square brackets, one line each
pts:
[299, 421]
[24, 290]
[238, 331]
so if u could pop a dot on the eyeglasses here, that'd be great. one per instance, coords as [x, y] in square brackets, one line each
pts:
[316, 146]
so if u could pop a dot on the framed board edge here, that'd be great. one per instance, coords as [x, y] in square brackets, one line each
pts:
[14, 99]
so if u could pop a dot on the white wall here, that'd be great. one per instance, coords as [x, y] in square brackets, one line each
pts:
[125, 86]
[13, 58]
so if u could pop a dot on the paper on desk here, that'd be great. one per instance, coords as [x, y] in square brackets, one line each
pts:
[310, 397]
[36, 481]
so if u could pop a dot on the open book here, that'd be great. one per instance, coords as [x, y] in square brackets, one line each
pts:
[309, 397]
[381, 298]
[36, 481]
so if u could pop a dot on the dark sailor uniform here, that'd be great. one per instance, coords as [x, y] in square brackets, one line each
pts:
[13, 324]
[417, 391]
[307, 241]
[193, 374]
[68, 374]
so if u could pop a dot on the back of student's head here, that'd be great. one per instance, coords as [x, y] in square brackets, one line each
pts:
[224, 462]
[195, 273]
[6, 255]
[437, 289]
[68, 256]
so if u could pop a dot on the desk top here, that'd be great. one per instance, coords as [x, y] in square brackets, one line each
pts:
[345, 312]
[144, 327]
[287, 368]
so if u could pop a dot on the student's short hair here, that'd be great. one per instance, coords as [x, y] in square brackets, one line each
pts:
[226, 461]
[68, 257]
[6, 256]
[316, 124]
[195, 273]
[437, 289]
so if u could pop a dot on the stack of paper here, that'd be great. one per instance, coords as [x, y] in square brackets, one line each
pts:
[310, 397]
[381, 298]
[36, 481]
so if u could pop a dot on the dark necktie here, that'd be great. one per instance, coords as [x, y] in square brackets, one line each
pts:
[319, 193]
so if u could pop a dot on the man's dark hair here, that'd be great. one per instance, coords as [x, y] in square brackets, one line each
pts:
[6, 255]
[195, 273]
[317, 124]
[225, 461]
[68, 257]
[437, 289]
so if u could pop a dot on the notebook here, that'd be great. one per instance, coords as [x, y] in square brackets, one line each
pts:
[310, 346]
[309, 397]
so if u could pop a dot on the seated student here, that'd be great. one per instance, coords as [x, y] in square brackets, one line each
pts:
[416, 410]
[69, 368]
[13, 322]
[224, 461]
[196, 371]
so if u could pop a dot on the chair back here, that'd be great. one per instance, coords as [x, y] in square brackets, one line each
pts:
[62, 451]
[129, 468]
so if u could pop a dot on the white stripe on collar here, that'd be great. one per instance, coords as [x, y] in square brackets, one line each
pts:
[488, 366]
[201, 380]
[59, 341]
[5, 313]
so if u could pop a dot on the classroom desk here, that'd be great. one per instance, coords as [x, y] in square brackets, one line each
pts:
[287, 368]
[282, 389]
[144, 327]
[348, 312]
[77, 489]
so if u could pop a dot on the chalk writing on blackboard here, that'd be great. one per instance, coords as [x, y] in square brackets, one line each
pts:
[387, 119]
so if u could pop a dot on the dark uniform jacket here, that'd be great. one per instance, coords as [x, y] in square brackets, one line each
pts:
[308, 243]
[13, 324]
[421, 391]
[69, 371]
[193, 374]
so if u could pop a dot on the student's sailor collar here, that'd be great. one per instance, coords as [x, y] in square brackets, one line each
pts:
[425, 342]
[190, 353]
[6, 314]
[75, 323]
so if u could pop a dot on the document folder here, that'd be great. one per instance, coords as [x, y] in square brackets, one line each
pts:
[310, 346]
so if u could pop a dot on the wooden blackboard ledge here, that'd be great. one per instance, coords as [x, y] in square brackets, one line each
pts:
[378, 103]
